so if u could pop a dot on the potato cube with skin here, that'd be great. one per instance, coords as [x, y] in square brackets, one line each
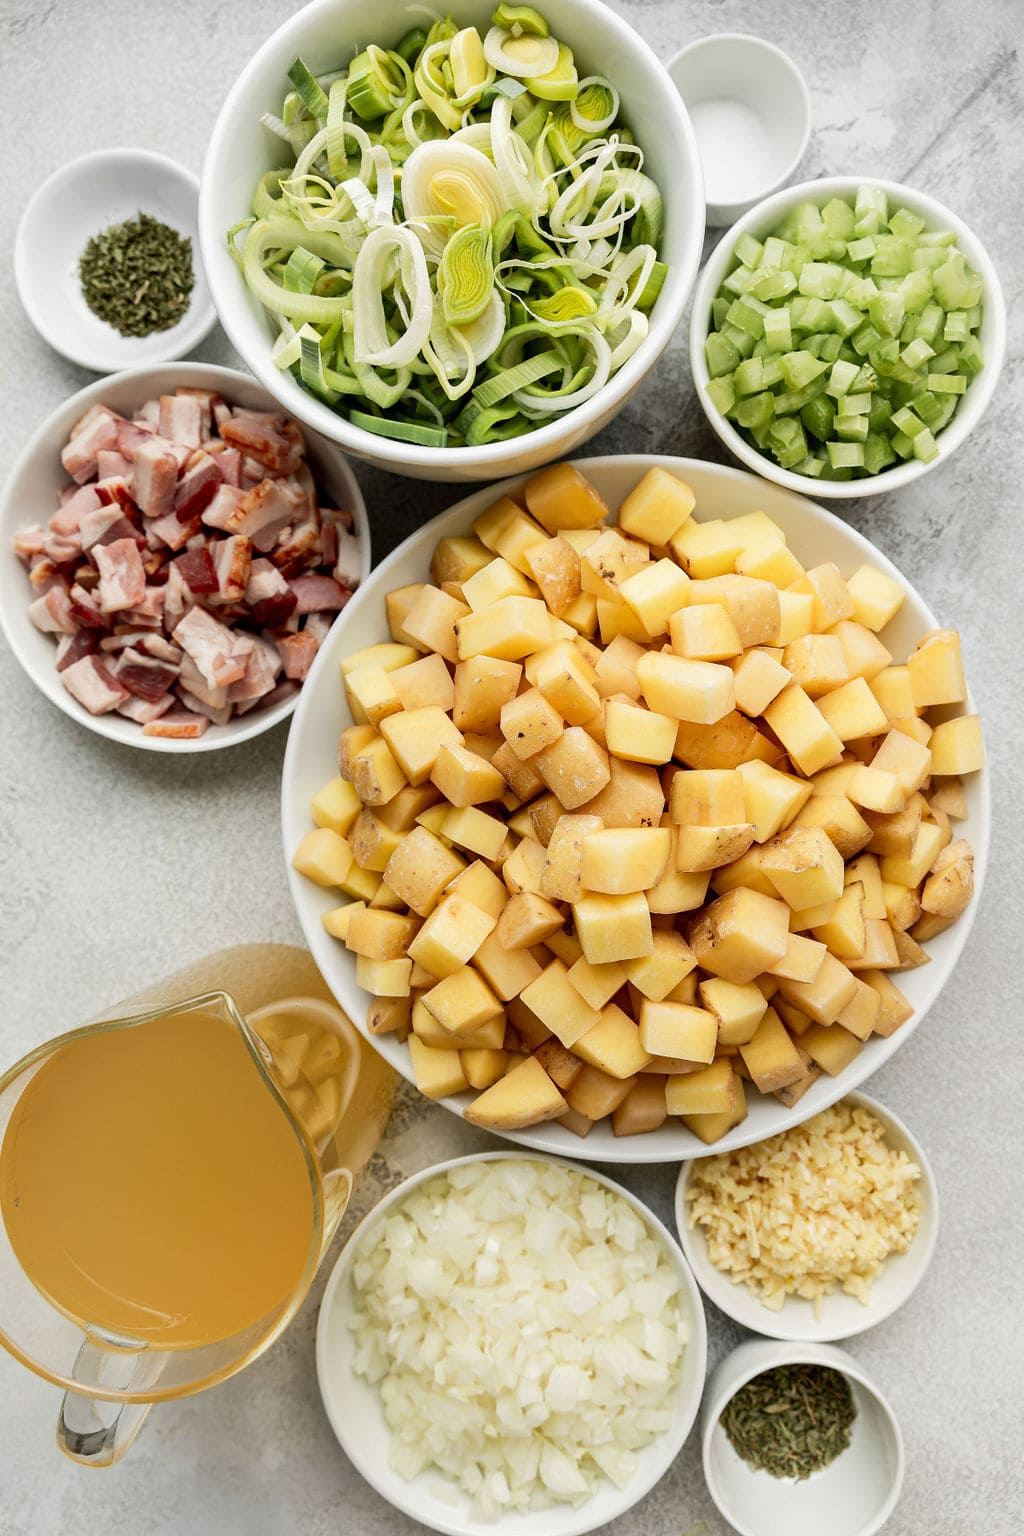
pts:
[840, 819]
[699, 849]
[831, 1049]
[371, 695]
[949, 888]
[817, 663]
[523, 780]
[704, 632]
[438, 1073]
[957, 746]
[615, 668]
[757, 679]
[770, 1056]
[492, 582]
[562, 875]
[523, 868]
[529, 723]
[525, 1096]
[526, 920]
[510, 629]
[567, 681]
[738, 1009]
[706, 549]
[894, 1009]
[613, 927]
[420, 868]
[558, 1005]
[596, 984]
[575, 767]
[875, 789]
[608, 561]
[620, 860]
[754, 609]
[911, 762]
[482, 686]
[451, 936]
[643, 1108]
[561, 1065]
[657, 507]
[656, 975]
[832, 600]
[852, 710]
[323, 857]
[372, 842]
[560, 497]
[911, 870]
[458, 558]
[771, 799]
[633, 796]
[464, 778]
[804, 866]
[384, 978]
[740, 935]
[415, 736]
[936, 669]
[376, 776]
[824, 998]
[337, 921]
[389, 1016]
[655, 593]
[725, 744]
[613, 1044]
[714, 1090]
[638, 735]
[542, 816]
[423, 683]
[876, 597]
[811, 742]
[555, 566]
[698, 691]
[678, 1029]
[461, 1001]
[895, 833]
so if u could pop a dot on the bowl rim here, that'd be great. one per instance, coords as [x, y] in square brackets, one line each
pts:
[723, 1289]
[67, 411]
[490, 458]
[196, 323]
[457, 517]
[383, 1480]
[979, 394]
[763, 1354]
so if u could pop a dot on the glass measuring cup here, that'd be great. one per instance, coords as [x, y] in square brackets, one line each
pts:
[325, 1094]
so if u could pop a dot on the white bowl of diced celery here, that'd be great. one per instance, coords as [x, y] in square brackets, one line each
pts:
[847, 333]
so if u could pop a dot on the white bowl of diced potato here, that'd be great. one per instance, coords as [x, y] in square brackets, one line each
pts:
[727, 968]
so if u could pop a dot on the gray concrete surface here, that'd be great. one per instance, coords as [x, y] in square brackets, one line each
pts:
[115, 866]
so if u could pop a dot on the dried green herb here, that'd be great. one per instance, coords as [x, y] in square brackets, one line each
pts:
[791, 1421]
[138, 275]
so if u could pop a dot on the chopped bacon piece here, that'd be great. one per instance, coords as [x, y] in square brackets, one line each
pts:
[274, 441]
[84, 610]
[29, 542]
[209, 643]
[297, 653]
[197, 571]
[97, 429]
[199, 706]
[180, 419]
[318, 624]
[96, 525]
[261, 514]
[69, 519]
[286, 689]
[143, 675]
[112, 465]
[43, 574]
[232, 560]
[71, 648]
[197, 487]
[149, 413]
[150, 611]
[263, 665]
[318, 594]
[178, 725]
[122, 579]
[52, 612]
[121, 529]
[298, 547]
[88, 681]
[163, 650]
[173, 533]
[226, 499]
[229, 462]
[191, 681]
[156, 476]
[348, 565]
[329, 542]
[130, 434]
[206, 399]
[118, 493]
[142, 711]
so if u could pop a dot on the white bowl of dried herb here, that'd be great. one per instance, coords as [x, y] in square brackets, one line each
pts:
[797, 1440]
[107, 264]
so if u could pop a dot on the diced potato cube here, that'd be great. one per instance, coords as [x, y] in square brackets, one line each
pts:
[323, 857]
[615, 668]
[415, 736]
[643, 1108]
[657, 507]
[567, 682]
[562, 875]
[361, 884]
[910, 871]
[372, 841]
[949, 798]
[595, 1094]
[757, 679]
[422, 683]
[397, 604]
[844, 932]
[704, 633]
[770, 1056]
[451, 936]
[613, 928]
[936, 670]
[555, 566]
[839, 819]
[957, 746]
[824, 998]
[558, 1005]
[575, 767]
[738, 1009]
[804, 866]
[853, 711]
[461, 1001]
[832, 1049]
[895, 833]
[862, 1011]
[402, 809]
[705, 848]
[740, 935]
[725, 744]
[560, 497]
[431, 622]
[613, 1044]
[678, 1029]
[911, 762]
[771, 800]
[699, 691]
[608, 561]
[506, 971]
[492, 582]
[891, 687]
[386, 654]
[371, 695]
[677, 890]
[804, 732]
[791, 1095]
[715, 1090]
[380, 935]
[894, 1009]
[616, 621]
[638, 735]
[561, 1065]
[770, 560]
[706, 549]
[336, 921]
[526, 920]
[754, 608]
[483, 1067]
[510, 629]
[596, 984]
[481, 886]
[420, 868]
[389, 1016]
[625, 859]
[656, 593]
[633, 796]
[707, 798]
[482, 686]
[437, 1073]
[656, 975]
[337, 805]
[949, 888]
[525, 1096]
[876, 597]
[523, 868]
[376, 776]
[464, 778]
[832, 600]
[802, 960]
[384, 978]
[865, 654]
[875, 789]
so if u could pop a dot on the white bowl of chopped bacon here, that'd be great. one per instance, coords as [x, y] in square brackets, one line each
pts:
[175, 550]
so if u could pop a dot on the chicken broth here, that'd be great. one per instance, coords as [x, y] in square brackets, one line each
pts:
[153, 1188]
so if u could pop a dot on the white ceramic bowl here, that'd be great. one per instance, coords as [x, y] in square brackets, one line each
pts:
[751, 113]
[357, 1417]
[853, 1496]
[81, 200]
[759, 222]
[328, 33]
[30, 496]
[311, 759]
[841, 1316]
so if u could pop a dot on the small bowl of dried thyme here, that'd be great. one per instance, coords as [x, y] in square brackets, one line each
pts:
[797, 1441]
[107, 264]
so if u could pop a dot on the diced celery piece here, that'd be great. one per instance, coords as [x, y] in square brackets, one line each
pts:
[879, 415]
[719, 310]
[770, 284]
[947, 406]
[925, 447]
[927, 258]
[906, 421]
[956, 327]
[846, 352]
[818, 417]
[778, 331]
[851, 429]
[846, 455]
[893, 256]
[916, 290]
[830, 347]
[775, 252]
[971, 356]
[867, 379]
[859, 291]
[908, 330]
[740, 279]
[886, 311]
[888, 284]
[845, 318]
[756, 411]
[838, 218]
[747, 314]
[749, 251]
[903, 444]
[884, 355]
[871, 199]
[905, 223]
[854, 405]
[787, 441]
[817, 316]
[946, 383]
[927, 407]
[864, 338]
[720, 354]
[722, 394]
[811, 466]
[929, 323]
[841, 378]
[760, 435]
[946, 361]
[861, 250]
[973, 317]
[771, 370]
[910, 377]
[916, 353]
[812, 344]
[877, 453]
[938, 237]
[821, 279]
[955, 286]
[749, 377]
[741, 340]
[799, 368]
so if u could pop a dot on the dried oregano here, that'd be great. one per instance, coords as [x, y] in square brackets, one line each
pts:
[791, 1421]
[138, 275]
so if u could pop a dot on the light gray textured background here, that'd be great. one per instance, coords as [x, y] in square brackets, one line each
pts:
[117, 866]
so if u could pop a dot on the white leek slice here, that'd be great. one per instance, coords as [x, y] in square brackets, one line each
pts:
[524, 57]
[370, 336]
[445, 179]
[384, 200]
[512, 159]
[634, 327]
[477, 136]
[485, 334]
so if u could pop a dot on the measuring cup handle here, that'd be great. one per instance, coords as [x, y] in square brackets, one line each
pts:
[93, 1431]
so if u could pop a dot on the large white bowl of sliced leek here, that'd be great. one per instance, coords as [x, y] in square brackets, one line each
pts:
[722, 1101]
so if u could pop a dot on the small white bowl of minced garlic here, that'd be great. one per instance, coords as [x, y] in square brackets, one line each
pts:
[815, 1234]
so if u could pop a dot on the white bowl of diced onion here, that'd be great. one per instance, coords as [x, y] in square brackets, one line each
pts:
[356, 1413]
[815, 536]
